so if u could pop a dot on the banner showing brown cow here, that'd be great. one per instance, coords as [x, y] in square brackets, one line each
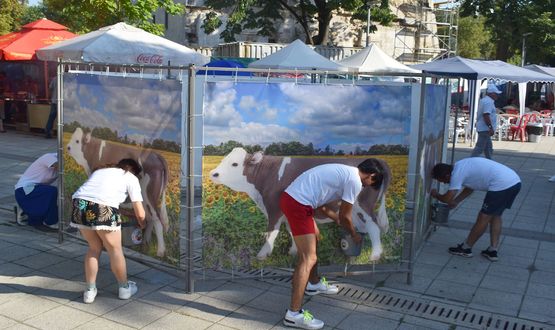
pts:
[259, 137]
[108, 118]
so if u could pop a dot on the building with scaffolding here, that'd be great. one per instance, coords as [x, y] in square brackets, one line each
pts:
[424, 30]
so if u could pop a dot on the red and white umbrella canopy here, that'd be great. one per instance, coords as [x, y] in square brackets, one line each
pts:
[21, 45]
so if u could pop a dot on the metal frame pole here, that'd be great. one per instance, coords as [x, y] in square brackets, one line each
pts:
[189, 288]
[418, 155]
[60, 134]
[455, 123]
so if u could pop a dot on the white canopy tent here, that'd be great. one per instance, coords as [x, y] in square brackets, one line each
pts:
[550, 88]
[477, 70]
[542, 69]
[122, 44]
[296, 56]
[372, 59]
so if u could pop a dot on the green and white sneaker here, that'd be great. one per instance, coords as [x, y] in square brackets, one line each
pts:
[303, 320]
[321, 287]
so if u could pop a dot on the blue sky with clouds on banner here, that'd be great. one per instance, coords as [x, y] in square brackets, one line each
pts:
[342, 116]
[142, 109]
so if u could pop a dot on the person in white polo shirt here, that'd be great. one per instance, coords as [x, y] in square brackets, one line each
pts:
[502, 185]
[486, 119]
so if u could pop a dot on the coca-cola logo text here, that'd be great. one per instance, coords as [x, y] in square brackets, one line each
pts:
[150, 59]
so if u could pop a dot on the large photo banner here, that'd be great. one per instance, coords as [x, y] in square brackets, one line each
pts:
[433, 129]
[259, 137]
[108, 118]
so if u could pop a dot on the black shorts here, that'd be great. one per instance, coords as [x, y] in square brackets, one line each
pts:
[496, 202]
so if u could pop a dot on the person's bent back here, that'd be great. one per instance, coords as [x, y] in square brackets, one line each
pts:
[35, 194]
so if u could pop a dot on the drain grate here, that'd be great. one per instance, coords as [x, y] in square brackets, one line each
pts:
[414, 306]
[433, 310]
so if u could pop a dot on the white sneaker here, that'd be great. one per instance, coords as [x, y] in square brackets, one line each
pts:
[89, 295]
[321, 287]
[303, 320]
[126, 293]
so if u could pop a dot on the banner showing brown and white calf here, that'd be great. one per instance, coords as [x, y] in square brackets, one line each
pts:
[92, 153]
[264, 178]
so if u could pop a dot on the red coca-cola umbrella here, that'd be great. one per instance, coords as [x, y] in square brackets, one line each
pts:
[21, 45]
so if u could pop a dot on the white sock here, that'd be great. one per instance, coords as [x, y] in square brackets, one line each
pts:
[291, 313]
[491, 248]
[466, 246]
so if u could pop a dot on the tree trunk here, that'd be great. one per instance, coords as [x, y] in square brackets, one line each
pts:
[324, 19]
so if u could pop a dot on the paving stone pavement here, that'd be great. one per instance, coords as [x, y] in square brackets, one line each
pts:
[41, 280]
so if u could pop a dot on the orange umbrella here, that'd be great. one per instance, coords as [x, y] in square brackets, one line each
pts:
[21, 45]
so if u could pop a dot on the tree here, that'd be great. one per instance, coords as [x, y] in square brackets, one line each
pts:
[10, 14]
[508, 20]
[33, 13]
[474, 41]
[264, 15]
[84, 16]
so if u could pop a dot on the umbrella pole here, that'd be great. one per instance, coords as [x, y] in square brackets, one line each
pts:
[46, 85]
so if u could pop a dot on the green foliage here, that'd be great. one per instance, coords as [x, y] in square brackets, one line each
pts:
[509, 20]
[474, 41]
[32, 14]
[232, 232]
[85, 16]
[263, 15]
[295, 148]
[11, 12]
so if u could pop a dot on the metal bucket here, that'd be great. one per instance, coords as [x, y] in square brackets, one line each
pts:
[349, 247]
[440, 212]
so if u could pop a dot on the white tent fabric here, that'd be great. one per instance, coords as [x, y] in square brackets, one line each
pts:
[297, 55]
[476, 69]
[372, 59]
[522, 97]
[543, 69]
[122, 44]
[479, 70]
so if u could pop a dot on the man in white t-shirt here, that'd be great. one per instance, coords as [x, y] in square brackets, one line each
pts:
[312, 190]
[486, 120]
[35, 194]
[502, 185]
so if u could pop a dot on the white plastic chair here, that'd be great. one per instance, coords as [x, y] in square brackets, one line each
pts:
[458, 132]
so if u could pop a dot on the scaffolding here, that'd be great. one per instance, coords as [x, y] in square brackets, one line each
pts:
[426, 33]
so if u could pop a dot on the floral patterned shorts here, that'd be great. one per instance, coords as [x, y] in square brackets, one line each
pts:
[90, 215]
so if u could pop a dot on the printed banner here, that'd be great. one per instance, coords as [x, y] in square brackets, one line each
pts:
[432, 149]
[108, 118]
[259, 137]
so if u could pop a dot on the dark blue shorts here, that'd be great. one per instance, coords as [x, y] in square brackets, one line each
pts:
[496, 202]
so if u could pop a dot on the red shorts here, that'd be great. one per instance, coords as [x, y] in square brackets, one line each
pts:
[299, 216]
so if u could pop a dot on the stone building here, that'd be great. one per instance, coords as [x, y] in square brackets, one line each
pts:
[421, 31]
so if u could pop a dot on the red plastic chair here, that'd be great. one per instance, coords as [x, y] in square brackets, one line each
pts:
[546, 113]
[520, 128]
[512, 111]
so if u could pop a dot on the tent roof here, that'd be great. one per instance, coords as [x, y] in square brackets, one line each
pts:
[477, 70]
[122, 44]
[373, 59]
[542, 69]
[22, 45]
[297, 55]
